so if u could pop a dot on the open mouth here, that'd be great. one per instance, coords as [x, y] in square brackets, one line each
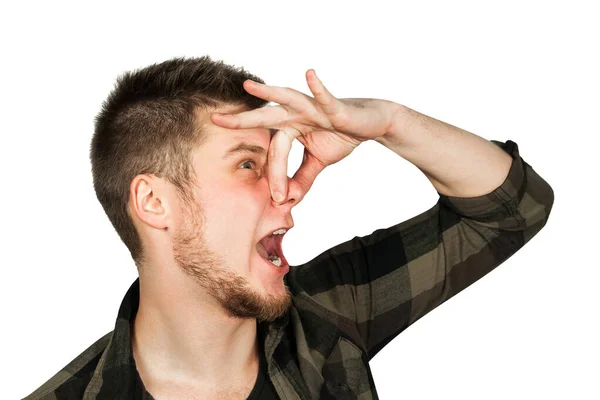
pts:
[269, 248]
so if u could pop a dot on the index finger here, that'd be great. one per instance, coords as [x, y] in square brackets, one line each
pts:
[267, 117]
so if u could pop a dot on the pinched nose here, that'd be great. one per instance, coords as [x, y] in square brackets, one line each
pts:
[295, 194]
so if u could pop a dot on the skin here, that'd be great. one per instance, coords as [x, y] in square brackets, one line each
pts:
[205, 286]
[457, 162]
[329, 128]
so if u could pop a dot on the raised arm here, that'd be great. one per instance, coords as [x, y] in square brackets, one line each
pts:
[386, 281]
[491, 203]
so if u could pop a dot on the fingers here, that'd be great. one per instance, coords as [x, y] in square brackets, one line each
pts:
[271, 93]
[270, 116]
[323, 97]
[279, 150]
[308, 171]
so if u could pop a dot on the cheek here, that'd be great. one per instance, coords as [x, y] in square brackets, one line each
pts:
[241, 203]
[239, 200]
[252, 187]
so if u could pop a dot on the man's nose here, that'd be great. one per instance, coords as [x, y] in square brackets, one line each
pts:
[293, 196]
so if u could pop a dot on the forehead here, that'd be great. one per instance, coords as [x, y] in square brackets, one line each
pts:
[228, 140]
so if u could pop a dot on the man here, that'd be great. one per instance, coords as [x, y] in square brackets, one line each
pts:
[190, 168]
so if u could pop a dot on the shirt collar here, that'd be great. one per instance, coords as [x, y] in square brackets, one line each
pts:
[116, 373]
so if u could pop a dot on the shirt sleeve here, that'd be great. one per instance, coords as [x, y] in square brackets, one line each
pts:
[382, 283]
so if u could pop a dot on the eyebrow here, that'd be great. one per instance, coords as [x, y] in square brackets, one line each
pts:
[245, 147]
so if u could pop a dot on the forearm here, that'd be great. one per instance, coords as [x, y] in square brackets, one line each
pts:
[456, 162]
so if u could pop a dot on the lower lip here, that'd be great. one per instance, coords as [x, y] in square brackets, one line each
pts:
[284, 269]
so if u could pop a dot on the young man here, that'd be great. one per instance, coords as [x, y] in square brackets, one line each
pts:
[189, 166]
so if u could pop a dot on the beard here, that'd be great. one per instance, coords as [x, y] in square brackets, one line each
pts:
[233, 292]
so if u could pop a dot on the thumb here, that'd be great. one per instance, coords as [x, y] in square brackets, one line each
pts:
[307, 172]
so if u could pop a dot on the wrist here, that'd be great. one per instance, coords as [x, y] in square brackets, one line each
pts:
[396, 125]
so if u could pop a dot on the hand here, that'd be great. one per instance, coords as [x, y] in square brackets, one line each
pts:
[328, 128]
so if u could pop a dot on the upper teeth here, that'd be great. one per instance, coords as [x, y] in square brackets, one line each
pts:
[279, 232]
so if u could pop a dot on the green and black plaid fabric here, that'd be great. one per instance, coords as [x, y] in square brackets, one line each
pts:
[353, 299]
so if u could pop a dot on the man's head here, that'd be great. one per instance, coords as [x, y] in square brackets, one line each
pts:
[176, 198]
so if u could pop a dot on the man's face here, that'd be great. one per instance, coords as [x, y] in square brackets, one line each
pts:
[216, 242]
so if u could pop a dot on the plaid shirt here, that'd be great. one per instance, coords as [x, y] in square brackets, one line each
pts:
[353, 299]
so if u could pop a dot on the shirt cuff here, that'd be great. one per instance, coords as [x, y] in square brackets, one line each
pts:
[503, 201]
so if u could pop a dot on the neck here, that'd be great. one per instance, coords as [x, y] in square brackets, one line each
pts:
[182, 336]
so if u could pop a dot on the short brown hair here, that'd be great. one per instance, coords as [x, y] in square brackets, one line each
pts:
[147, 126]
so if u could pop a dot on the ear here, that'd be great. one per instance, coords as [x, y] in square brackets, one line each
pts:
[148, 201]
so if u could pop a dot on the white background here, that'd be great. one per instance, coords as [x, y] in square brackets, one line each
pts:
[524, 71]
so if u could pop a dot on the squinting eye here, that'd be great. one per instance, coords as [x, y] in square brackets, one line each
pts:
[249, 161]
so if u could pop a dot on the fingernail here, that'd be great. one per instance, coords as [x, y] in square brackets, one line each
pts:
[278, 197]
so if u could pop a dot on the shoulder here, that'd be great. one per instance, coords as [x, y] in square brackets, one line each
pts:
[71, 381]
